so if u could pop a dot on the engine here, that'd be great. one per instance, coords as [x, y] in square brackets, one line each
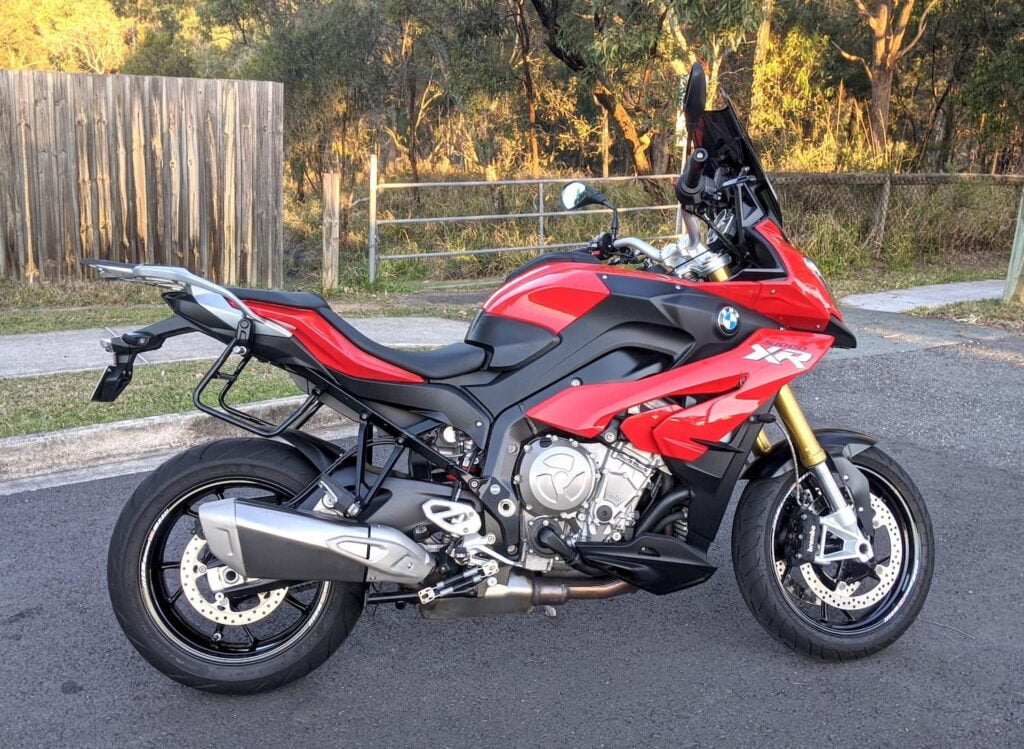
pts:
[588, 491]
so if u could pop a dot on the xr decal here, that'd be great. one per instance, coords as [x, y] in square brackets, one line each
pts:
[778, 355]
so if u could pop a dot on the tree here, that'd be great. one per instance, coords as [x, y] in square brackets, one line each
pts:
[68, 35]
[888, 21]
[615, 49]
[521, 23]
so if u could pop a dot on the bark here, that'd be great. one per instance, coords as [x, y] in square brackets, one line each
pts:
[948, 130]
[761, 50]
[878, 111]
[639, 143]
[606, 145]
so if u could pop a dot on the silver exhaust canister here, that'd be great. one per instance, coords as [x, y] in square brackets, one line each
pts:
[278, 543]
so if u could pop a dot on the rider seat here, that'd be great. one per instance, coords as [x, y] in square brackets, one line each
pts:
[438, 364]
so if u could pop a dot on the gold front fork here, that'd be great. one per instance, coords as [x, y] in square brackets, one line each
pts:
[807, 446]
[808, 449]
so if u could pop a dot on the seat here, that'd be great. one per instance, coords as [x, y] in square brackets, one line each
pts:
[437, 364]
[300, 299]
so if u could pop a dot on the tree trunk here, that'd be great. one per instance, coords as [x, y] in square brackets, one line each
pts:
[878, 113]
[606, 144]
[639, 144]
[523, 35]
[948, 129]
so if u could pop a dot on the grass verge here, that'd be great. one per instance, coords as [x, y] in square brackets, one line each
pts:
[61, 401]
[993, 312]
[45, 319]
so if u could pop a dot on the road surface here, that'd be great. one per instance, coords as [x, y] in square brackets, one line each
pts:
[691, 669]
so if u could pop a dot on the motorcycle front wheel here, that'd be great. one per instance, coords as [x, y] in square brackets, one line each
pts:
[843, 610]
[160, 575]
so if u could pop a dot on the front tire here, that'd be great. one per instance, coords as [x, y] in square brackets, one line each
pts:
[841, 611]
[158, 560]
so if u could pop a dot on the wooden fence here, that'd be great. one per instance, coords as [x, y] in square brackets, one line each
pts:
[172, 171]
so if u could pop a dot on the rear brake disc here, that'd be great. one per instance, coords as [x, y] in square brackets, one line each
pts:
[220, 608]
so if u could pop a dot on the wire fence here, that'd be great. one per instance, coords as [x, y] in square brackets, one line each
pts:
[480, 229]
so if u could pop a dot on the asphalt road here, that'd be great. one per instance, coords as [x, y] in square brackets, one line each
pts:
[691, 669]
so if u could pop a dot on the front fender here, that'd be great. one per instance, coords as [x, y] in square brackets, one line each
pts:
[839, 443]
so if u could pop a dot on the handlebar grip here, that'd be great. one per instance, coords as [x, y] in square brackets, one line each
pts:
[690, 178]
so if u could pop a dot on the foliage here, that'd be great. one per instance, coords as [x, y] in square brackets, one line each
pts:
[487, 88]
[66, 35]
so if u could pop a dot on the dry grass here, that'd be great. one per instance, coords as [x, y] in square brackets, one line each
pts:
[991, 312]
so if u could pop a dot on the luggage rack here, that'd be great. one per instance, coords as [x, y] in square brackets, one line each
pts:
[225, 412]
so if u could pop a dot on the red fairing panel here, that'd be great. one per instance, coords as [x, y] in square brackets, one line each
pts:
[552, 296]
[555, 295]
[329, 346]
[746, 377]
[801, 300]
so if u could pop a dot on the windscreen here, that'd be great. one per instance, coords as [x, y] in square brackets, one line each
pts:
[719, 132]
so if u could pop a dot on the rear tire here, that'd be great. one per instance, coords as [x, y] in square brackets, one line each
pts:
[168, 630]
[756, 560]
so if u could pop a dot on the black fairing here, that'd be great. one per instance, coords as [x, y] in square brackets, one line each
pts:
[653, 562]
[512, 343]
[843, 335]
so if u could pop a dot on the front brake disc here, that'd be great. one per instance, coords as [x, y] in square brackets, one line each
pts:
[847, 596]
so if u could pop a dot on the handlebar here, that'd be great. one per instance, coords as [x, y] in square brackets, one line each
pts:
[640, 246]
[690, 178]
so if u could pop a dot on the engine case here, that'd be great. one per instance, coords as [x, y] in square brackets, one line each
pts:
[588, 491]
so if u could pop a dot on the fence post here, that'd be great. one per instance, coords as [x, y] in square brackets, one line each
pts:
[540, 209]
[372, 231]
[878, 219]
[1014, 289]
[332, 200]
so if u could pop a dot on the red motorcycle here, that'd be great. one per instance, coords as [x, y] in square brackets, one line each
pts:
[582, 442]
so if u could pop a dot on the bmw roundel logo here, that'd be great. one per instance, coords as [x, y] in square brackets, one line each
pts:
[728, 320]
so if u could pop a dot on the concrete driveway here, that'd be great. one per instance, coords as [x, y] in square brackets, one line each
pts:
[691, 669]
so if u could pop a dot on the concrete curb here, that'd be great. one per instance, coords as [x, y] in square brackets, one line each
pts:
[85, 447]
[933, 295]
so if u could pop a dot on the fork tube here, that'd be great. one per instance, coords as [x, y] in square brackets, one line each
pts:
[763, 445]
[807, 446]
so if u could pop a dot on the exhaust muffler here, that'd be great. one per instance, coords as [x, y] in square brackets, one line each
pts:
[278, 543]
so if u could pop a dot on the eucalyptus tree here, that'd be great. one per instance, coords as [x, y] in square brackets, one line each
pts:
[889, 22]
[632, 55]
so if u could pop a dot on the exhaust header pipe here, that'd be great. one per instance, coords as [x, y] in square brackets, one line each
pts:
[278, 543]
[520, 593]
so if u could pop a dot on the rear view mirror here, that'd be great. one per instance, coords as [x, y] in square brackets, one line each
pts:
[577, 194]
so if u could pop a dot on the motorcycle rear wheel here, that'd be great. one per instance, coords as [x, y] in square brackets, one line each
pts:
[841, 611]
[156, 577]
